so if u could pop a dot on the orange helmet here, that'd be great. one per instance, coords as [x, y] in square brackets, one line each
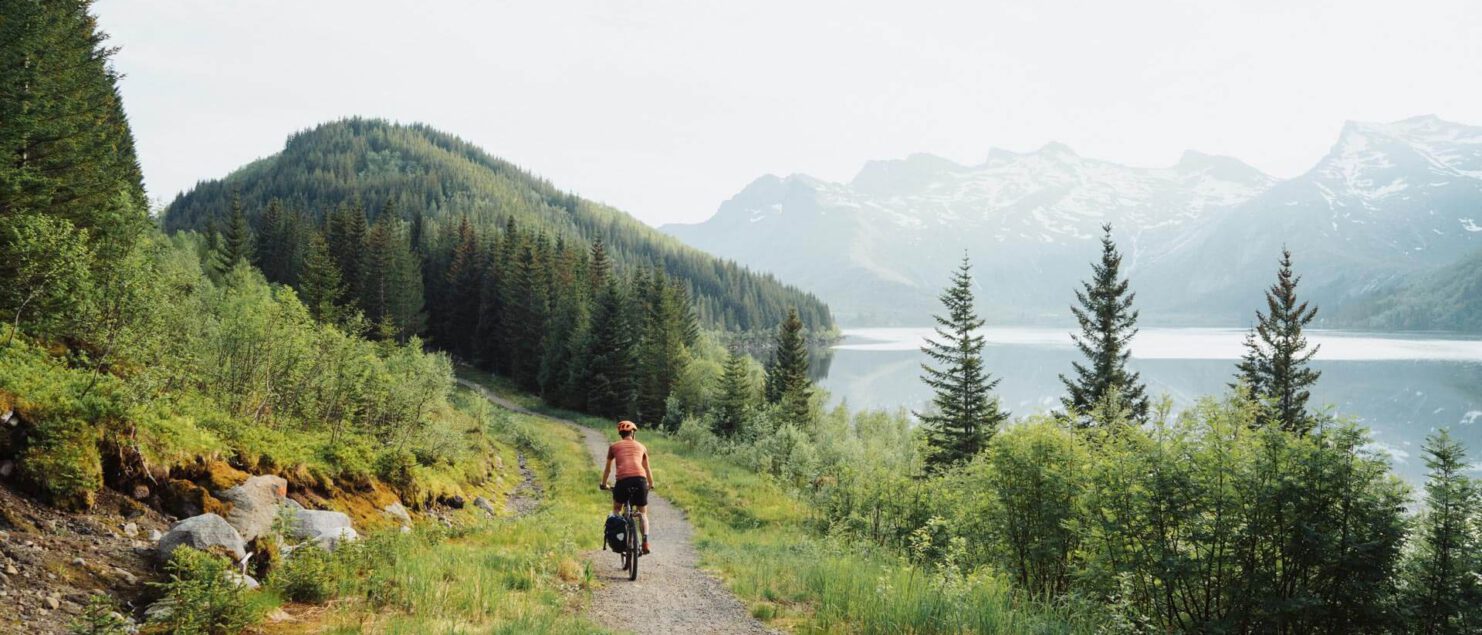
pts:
[625, 426]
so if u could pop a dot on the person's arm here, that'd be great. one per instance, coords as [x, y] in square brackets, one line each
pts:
[606, 469]
[648, 472]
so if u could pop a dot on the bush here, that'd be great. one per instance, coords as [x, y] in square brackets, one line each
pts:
[63, 459]
[306, 576]
[202, 596]
[101, 617]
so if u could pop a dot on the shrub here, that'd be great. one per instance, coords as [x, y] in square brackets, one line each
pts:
[63, 459]
[202, 596]
[100, 617]
[306, 576]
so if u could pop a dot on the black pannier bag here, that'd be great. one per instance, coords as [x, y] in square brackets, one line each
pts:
[614, 533]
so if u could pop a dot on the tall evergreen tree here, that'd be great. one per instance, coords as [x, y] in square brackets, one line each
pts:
[610, 362]
[1444, 594]
[345, 231]
[235, 244]
[964, 413]
[464, 279]
[788, 384]
[320, 287]
[393, 297]
[736, 395]
[1274, 367]
[271, 245]
[1108, 324]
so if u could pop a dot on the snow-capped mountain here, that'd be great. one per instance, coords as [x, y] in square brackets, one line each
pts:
[1200, 237]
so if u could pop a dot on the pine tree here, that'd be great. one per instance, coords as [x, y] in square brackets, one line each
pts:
[610, 362]
[1443, 592]
[345, 231]
[788, 384]
[964, 413]
[736, 395]
[1274, 368]
[464, 279]
[235, 245]
[272, 248]
[320, 287]
[1108, 324]
[393, 297]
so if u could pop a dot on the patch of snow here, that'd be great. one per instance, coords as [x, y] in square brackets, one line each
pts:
[1471, 417]
[1470, 225]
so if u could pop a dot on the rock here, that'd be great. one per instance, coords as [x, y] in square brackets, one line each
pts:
[155, 535]
[242, 580]
[406, 529]
[51, 602]
[292, 504]
[207, 532]
[160, 610]
[324, 527]
[131, 529]
[11, 570]
[8, 417]
[128, 578]
[397, 511]
[7, 467]
[277, 616]
[484, 504]
[141, 491]
[254, 504]
[79, 562]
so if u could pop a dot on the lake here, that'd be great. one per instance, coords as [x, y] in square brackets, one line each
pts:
[1401, 386]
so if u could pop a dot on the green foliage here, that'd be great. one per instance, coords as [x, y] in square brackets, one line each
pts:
[737, 395]
[1108, 324]
[1443, 573]
[963, 414]
[101, 616]
[305, 576]
[788, 386]
[1274, 368]
[1035, 474]
[202, 597]
[47, 277]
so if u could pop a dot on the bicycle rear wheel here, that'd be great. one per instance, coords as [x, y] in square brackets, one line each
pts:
[633, 546]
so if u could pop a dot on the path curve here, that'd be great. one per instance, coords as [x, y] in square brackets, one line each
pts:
[672, 594]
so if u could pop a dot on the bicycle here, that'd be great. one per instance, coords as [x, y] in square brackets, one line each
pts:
[633, 547]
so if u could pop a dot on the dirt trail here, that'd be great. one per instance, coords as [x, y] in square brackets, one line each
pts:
[672, 594]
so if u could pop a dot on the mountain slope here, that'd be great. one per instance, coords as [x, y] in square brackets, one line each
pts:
[420, 169]
[1449, 299]
[880, 246]
[1388, 203]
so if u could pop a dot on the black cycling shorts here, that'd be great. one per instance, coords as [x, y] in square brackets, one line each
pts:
[633, 489]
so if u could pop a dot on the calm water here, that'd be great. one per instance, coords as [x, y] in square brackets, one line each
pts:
[1400, 386]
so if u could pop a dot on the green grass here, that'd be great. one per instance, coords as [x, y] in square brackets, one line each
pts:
[511, 575]
[758, 537]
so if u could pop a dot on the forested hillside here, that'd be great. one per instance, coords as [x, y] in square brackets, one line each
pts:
[435, 180]
[1448, 300]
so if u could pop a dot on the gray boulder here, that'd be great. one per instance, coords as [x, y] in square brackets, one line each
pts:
[397, 511]
[207, 532]
[254, 504]
[484, 504]
[327, 528]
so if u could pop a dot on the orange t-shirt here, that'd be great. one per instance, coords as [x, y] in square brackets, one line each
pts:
[629, 454]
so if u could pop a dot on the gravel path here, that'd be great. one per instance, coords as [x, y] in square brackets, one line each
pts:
[672, 594]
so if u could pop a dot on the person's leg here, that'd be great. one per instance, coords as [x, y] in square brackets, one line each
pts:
[643, 520]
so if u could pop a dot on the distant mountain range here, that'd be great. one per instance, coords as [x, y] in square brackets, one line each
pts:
[1390, 207]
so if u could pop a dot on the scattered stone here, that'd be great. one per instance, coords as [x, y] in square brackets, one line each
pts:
[51, 602]
[406, 529]
[254, 504]
[160, 610]
[292, 504]
[324, 527]
[207, 532]
[8, 417]
[397, 511]
[155, 535]
[79, 562]
[131, 529]
[128, 578]
[242, 580]
[7, 467]
[141, 491]
[11, 570]
[484, 504]
[278, 615]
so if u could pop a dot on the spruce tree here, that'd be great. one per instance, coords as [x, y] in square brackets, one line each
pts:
[610, 362]
[464, 279]
[1274, 367]
[736, 395]
[964, 413]
[1443, 593]
[320, 287]
[1108, 324]
[235, 245]
[271, 246]
[788, 385]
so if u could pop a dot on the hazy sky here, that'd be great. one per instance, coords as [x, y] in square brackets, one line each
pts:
[665, 109]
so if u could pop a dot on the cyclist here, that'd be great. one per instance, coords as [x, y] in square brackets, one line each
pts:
[634, 478]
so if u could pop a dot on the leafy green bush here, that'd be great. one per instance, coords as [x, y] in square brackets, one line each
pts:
[306, 576]
[202, 597]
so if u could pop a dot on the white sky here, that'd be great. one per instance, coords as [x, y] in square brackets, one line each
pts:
[665, 109]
